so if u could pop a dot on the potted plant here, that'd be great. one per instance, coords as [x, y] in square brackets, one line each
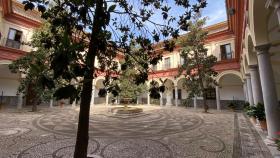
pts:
[260, 115]
[251, 112]
[246, 105]
[277, 141]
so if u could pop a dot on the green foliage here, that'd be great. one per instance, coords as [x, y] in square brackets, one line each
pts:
[34, 66]
[36, 69]
[260, 112]
[251, 111]
[278, 144]
[187, 102]
[257, 111]
[128, 88]
[198, 66]
[277, 140]
[246, 105]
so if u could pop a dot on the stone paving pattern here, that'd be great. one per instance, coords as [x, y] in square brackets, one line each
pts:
[156, 133]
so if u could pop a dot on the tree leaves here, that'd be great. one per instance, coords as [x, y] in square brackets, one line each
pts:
[198, 67]
[68, 91]
[112, 8]
[28, 5]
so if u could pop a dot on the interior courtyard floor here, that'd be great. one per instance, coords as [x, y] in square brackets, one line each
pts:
[158, 132]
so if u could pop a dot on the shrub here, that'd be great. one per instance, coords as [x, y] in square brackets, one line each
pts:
[186, 102]
[260, 112]
[277, 141]
[246, 105]
[251, 111]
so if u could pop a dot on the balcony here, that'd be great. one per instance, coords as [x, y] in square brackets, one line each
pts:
[12, 44]
[12, 50]
[16, 45]
[226, 57]
[5, 42]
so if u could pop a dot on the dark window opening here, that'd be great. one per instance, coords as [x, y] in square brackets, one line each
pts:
[14, 38]
[211, 93]
[226, 52]
[179, 94]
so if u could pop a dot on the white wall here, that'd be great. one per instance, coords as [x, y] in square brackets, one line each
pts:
[232, 92]
[231, 87]
[9, 87]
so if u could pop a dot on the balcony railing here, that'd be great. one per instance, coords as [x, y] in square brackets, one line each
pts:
[225, 57]
[5, 42]
[12, 44]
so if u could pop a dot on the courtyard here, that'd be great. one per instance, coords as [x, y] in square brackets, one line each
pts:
[157, 132]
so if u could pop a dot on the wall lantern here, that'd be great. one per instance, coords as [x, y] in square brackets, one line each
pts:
[231, 11]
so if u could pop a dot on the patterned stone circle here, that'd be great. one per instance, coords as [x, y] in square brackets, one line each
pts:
[56, 149]
[140, 148]
[153, 123]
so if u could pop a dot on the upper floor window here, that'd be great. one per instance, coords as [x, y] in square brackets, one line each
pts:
[14, 38]
[226, 52]
[167, 63]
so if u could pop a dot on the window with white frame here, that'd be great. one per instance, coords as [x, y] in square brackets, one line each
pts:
[226, 52]
[167, 64]
[14, 38]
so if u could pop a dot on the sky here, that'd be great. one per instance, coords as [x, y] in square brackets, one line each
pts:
[215, 11]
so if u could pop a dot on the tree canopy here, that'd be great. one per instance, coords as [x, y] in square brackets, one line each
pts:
[197, 66]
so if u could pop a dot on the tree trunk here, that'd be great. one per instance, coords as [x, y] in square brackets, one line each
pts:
[205, 106]
[35, 104]
[205, 102]
[34, 107]
[83, 125]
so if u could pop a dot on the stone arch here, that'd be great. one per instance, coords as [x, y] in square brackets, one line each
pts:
[179, 82]
[258, 21]
[5, 62]
[97, 79]
[168, 98]
[230, 86]
[244, 64]
[169, 83]
[98, 84]
[233, 72]
[251, 55]
[9, 83]
[183, 90]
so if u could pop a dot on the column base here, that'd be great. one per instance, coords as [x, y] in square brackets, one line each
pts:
[270, 142]
[168, 104]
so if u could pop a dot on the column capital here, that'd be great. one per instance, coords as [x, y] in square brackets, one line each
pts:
[253, 66]
[262, 48]
[247, 76]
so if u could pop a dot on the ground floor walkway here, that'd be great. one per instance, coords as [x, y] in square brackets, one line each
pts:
[155, 133]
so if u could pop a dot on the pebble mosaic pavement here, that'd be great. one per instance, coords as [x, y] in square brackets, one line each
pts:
[156, 133]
